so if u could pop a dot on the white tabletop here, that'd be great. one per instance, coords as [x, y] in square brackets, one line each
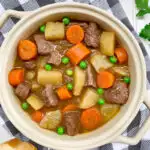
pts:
[138, 23]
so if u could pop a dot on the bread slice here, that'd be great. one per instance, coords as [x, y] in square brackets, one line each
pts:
[16, 144]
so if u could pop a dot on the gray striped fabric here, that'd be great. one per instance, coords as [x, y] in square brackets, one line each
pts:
[114, 7]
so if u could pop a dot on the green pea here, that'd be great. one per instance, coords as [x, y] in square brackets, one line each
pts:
[65, 60]
[127, 79]
[66, 20]
[60, 130]
[25, 105]
[100, 91]
[48, 67]
[113, 59]
[69, 86]
[42, 28]
[69, 72]
[101, 101]
[83, 65]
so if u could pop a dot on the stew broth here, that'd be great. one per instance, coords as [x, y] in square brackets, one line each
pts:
[71, 63]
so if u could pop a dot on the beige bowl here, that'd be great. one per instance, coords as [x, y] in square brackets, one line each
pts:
[110, 132]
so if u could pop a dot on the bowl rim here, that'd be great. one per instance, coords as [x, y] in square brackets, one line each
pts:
[90, 8]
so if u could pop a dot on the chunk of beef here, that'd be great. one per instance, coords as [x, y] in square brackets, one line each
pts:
[44, 47]
[50, 97]
[55, 49]
[23, 90]
[71, 122]
[118, 94]
[84, 25]
[92, 35]
[67, 79]
[90, 77]
[30, 64]
[55, 58]
[93, 51]
[63, 46]
[59, 52]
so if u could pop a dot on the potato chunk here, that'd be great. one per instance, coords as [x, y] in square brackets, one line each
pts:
[107, 43]
[79, 80]
[54, 31]
[35, 86]
[30, 75]
[49, 77]
[35, 102]
[89, 98]
[51, 120]
[121, 70]
[100, 61]
[109, 111]
[42, 60]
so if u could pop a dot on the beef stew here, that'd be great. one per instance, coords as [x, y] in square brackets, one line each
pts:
[72, 77]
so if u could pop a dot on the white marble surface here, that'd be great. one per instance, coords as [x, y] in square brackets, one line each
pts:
[129, 8]
[138, 23]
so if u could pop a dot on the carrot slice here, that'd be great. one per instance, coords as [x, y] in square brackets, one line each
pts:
[70, 107]
[77, 53]
[63, 93]
[37, 116]
[105, 79]
[75, 34]
[122, 55]
[27, 50]
[91, 118]
[16, 76]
